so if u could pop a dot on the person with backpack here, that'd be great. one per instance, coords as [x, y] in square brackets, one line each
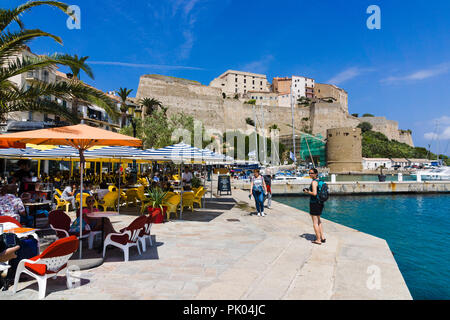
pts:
[268, 181]
[317, 191]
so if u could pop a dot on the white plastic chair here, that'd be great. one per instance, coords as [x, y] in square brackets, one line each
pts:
[145, 234]
[129, 237]
[48, 264]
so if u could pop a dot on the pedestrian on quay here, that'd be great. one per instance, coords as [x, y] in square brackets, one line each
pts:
[315, 206]
[268, 181]
[258, 190]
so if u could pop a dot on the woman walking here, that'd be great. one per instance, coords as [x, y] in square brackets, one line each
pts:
[315, 206]
[258, 189]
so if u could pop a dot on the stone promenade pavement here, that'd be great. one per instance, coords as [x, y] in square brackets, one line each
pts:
[225, 251]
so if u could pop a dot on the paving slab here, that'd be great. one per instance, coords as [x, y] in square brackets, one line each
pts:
[224, 251]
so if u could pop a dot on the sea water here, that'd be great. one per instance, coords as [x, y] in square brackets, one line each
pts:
[416, 227]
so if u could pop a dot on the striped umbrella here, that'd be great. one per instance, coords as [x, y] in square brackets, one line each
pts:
[177, 153]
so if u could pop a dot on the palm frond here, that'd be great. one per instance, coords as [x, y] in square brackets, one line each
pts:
[14, 43]
[13, 15]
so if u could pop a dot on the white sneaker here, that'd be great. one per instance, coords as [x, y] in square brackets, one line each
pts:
[259, 214]
[263, 214]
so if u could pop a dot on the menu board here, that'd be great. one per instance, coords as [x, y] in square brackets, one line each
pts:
[224, 184]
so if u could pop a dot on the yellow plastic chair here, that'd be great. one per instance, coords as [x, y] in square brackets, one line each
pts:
[199, 196]
[176, 177]
[110, 200]
[132, 197]
[168, 195]
[58, 192]
[85, 195]
[112, 188]
[188, 200]
[142, 198]
[172, 205]
[61, 203]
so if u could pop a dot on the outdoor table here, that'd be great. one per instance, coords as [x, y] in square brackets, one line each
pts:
[21, 232]
[102, 215]
[34, 205]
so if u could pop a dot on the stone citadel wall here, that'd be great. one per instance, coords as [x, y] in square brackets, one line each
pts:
[208, 105]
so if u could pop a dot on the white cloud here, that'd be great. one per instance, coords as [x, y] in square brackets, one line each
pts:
[420, 74]
[348, 74]
[259, 66]
[139, 65]
[444, 135]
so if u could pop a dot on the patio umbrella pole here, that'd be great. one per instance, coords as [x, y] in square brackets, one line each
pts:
[81, 197]
[118, 199]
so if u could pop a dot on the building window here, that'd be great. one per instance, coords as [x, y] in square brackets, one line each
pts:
[245, 80]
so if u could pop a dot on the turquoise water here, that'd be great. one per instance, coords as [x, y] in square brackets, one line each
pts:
[417, 229]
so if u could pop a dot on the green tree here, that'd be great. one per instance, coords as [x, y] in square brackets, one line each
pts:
[365, 126]
[250, 121]
[251, 101]
[150, 105]
[123, 94]
[368, 115]
[356, 115]
[12, 44]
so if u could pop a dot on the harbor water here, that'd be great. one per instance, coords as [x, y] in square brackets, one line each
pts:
[416, 227]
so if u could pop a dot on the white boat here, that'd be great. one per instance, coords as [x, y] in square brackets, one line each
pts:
[291, 179]
[437, 174]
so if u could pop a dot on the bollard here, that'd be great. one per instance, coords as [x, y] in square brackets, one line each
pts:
[333, 178]
[400, 177]
[419, 178]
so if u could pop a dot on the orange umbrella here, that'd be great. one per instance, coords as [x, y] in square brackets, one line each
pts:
[79, 136]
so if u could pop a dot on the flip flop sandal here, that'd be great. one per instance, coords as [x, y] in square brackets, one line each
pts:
[316, 243]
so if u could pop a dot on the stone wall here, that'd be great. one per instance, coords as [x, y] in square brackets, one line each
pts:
[330, 115]
[389, 128]
[208, 105]
[344, 150]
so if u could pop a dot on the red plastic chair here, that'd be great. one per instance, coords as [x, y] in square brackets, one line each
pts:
[60, 222]
[127, 238]
[9, 222]
[145, 233]
[48, 264]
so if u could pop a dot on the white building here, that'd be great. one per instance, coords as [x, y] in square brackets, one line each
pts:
[376, 163]
[20, 121]
[264, 98]
[302, 87]
[237, 82]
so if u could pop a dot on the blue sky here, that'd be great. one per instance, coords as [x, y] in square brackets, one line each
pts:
[401, 71]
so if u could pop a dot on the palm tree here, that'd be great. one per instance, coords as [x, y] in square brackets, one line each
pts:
[150, 104]
[123, 94]
[12, 44]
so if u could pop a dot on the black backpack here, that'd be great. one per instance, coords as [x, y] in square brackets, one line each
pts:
[322, 193]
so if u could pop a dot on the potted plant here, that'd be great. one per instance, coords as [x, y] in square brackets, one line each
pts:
[196, 182]
[155, 208]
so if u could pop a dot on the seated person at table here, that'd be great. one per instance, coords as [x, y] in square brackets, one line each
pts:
[12, 206]
[186, 177]
[69, 194]
[96, 223]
